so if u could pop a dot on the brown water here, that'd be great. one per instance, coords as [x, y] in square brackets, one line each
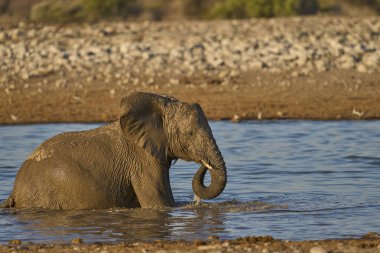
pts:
[289, 179]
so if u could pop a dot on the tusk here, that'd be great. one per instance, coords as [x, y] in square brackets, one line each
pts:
[206, 164]
[197, 200]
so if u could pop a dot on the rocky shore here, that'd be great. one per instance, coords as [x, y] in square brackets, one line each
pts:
[370, 243]
[141, 53]
[298, 68]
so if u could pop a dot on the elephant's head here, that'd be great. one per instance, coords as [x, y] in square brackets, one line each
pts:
[169, 129]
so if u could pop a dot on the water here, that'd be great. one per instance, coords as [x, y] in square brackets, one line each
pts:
[292, 180]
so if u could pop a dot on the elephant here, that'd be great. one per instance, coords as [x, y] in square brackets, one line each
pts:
[124, 163]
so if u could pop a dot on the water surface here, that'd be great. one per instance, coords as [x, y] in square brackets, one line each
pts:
[289, 179]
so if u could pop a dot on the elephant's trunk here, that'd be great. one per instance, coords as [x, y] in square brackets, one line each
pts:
[218, 181]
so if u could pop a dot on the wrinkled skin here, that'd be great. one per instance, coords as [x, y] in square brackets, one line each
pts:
[123, 164]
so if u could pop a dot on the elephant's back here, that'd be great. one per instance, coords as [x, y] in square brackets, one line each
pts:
[78, 143]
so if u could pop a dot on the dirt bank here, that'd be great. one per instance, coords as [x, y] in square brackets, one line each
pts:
[256, 95]
[368, 244]
[288, 68]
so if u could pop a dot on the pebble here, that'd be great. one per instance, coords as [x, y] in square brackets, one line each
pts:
[14, 118]
[318, 250]
[15, 241]
[208, 247]
[77, 241]
[213, 238]
[112, 92]
[235, 118]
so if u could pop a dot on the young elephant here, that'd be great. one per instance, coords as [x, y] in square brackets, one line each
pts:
[123, 164]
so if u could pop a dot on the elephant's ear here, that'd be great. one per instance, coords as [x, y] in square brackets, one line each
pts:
[141, 120]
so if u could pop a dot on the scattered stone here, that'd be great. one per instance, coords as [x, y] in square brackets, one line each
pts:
[371, 235]
[318, 250]
[345, 62]
[236, 118]
[15, 241]
[213, 238]
[361, 68]
[209, 247]
[371, 60]
[30, 51]
[77, 241]
[357, 113]
[14, 118]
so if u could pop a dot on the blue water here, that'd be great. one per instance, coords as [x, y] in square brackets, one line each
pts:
[292, 180]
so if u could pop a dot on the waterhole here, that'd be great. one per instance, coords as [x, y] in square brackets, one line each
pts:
[292, 180]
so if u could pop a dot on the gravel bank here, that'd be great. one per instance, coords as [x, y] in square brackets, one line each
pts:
[297, 68]
[141, 53]
[368, 244]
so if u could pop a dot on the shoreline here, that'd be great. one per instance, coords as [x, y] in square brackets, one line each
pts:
[368, 243]
[333, 95]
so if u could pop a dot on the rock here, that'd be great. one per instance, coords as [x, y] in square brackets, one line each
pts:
[236, 118]
[318, 250]
[15, 242]
[371, 60]
[361, 68]
[321, 65]
[209, 247]
[213, 238]
[345, 62]
[174, 81]
[76, 241]
[2, 36]
[24, 74]
[371, 235]
[226, 244]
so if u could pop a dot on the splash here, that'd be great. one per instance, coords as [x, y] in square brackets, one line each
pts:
[236, 206]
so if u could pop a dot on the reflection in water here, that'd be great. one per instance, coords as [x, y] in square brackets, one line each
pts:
[105, 224]
[290, 179]
[132, 224]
